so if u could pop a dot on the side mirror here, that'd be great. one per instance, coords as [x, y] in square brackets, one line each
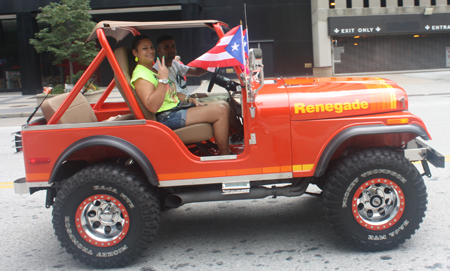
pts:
[255, 59]
[256, 68]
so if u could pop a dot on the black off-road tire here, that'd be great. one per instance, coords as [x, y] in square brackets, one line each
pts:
[106, 215]
[375, 198]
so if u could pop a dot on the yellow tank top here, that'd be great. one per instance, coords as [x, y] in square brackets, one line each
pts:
[171, 98]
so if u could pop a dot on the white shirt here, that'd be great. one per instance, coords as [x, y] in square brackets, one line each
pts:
[176, 73]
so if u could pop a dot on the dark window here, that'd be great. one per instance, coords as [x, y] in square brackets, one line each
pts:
[433, 2]
[9, 56]
[349, 3]
[366, 3]
[383, 3]
[416, 3]
[400, 3]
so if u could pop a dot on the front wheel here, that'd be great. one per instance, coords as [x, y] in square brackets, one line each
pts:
[375, 198]
[106, 215]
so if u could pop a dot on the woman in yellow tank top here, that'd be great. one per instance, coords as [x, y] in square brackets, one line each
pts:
[159, 96]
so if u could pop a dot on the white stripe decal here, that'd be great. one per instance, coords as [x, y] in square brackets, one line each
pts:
[225, 40]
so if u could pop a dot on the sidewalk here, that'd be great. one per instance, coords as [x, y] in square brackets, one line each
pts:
[14, 105]
[420, 83]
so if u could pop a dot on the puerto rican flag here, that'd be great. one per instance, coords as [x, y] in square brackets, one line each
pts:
[229, 51]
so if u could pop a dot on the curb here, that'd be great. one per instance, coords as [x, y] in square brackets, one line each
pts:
[428, 94]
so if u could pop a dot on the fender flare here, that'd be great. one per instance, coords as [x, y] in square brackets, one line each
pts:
[363, 130]
[109, 141]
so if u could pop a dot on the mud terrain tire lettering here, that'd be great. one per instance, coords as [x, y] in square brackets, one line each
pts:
[74, 240]
[102, 187]
[127, 200]
[402, 227]
[347, 192]
[376, 237]
[112, 253]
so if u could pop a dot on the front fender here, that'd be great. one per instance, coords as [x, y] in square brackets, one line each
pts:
[363, 130]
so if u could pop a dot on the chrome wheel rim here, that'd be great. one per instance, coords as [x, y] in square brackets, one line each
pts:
[102, 220]
[378, 204]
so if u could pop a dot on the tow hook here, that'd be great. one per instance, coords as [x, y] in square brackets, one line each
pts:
[49, 198]
[426, 169]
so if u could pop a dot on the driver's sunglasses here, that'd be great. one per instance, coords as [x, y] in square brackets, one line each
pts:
[181, 82]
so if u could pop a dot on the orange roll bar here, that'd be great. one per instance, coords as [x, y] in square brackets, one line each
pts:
[118, 72]
[105, 95]
[77, 88]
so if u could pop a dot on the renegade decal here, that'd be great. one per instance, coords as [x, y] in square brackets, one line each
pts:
[379, 101]
[337, 107]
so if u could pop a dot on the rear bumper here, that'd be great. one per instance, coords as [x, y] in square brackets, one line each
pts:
[22, 187]
[417, 150]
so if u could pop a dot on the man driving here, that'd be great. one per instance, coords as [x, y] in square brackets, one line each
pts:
[166, 47]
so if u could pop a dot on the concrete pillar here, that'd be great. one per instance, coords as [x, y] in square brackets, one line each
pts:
[441, 2]
[340, 4]
[374, 3]
[321, 45]
[391, 3]
[425, 3]
[357, 3]
[408, 3]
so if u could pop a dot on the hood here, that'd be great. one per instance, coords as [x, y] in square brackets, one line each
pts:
[325, 98]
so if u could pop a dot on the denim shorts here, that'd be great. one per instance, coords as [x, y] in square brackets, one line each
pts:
[173, 119]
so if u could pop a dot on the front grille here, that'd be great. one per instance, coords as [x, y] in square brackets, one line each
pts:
[17, 141]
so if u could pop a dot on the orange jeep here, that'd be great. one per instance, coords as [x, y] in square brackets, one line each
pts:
[109, 167]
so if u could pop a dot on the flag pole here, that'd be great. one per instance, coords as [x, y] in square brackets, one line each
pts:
[243, 57]
[245, 15]
[246, 66]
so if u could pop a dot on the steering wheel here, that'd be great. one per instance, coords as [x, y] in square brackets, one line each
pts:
[213, 78]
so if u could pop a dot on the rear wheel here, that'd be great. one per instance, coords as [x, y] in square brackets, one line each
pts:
[106, 215]
[375, 198]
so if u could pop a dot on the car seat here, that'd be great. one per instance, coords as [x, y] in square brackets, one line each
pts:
[188, 134]
[79, 111]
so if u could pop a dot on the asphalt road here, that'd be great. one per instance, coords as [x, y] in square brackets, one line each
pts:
[266, 234]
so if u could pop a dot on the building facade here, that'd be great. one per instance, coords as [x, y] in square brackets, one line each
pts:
[367, 36]
[298, 37]
[282, 29]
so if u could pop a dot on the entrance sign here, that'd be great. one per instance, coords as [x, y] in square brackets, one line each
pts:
[388, 24]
